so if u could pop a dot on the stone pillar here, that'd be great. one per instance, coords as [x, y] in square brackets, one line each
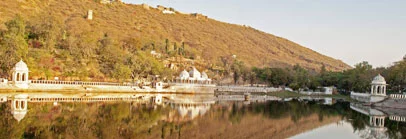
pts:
[13, 78]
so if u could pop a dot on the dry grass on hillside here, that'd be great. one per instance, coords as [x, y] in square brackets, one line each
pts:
[208, 38]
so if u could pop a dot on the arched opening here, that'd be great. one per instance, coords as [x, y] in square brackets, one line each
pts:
[18, 77]
[23, 77]
[383, 89]
[22, 104]
[17, 105]
[378, 90]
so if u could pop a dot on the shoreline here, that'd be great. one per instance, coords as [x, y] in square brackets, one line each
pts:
[93, 91]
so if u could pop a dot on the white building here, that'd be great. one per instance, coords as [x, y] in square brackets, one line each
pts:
[168, 12]
[378, 86]
[193, 77]
[19, 106]
[377, 94]
[3, 81]
[20, 75]
[157, 85]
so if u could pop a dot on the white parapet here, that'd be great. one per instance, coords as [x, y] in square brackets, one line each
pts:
[398, 96]
[397, 118]
[368, 98]
[363, 97]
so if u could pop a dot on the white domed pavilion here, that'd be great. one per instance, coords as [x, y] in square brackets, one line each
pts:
[195, 74]
[193, 77]
[20, 75]
[184, 75]
[204, 75]
[378, 86]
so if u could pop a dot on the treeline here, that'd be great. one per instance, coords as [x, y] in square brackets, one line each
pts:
[52, 49]
[357, 79]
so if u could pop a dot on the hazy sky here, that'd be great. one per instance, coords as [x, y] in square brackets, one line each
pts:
[349, 30]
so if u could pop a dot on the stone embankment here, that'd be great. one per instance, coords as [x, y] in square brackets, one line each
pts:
[244, 89]
[392, 103]
[79, 86]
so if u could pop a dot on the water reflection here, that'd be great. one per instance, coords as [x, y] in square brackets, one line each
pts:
[85, 115]
[376, 126]
[378, 117]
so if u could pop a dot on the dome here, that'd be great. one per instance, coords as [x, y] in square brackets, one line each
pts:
[21, 66]
[184, 75]
[193, 113]
[194, 73]
[379, 80]
[19, 115]
[182, 111]
[204, 75]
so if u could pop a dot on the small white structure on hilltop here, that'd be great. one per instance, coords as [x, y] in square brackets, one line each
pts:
[90, 15]
[377, 94]
[193, 77]
[378, 86]
[19, 106]
[20, 75]
[168, 12]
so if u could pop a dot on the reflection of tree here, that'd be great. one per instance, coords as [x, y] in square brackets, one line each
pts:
[295, 109]
[125, 120]
[396, 129]
[236, 113]
[358, 120]
[84, 120]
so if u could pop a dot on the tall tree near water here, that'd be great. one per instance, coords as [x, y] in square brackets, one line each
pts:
[13, 45]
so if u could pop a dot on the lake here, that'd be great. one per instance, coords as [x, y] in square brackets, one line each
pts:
[41, 115]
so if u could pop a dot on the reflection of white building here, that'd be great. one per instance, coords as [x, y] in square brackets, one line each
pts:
[19, 107]
[3, 98]
[376, 128]
[193, 77]
[20, 75]
[191, 111]
[189, 107]
[157, 99]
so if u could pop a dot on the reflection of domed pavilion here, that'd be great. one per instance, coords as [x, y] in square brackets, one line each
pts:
[191, 111]
[193, 77]
[188, 109]
[376, 126]
[19, 107]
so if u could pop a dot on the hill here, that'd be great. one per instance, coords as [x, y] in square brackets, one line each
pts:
[59, 30]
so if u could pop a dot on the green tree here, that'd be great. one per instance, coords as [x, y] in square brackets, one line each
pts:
[47, 29]
[166, 46]
[121, 72]
[301, 78]
[13, 45]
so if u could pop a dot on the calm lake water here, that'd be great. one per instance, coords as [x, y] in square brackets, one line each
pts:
[193, 116]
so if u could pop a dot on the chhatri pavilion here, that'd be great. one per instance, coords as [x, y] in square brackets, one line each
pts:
[193, 77]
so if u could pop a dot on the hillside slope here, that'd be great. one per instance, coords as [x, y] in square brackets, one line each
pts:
[205, 37]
